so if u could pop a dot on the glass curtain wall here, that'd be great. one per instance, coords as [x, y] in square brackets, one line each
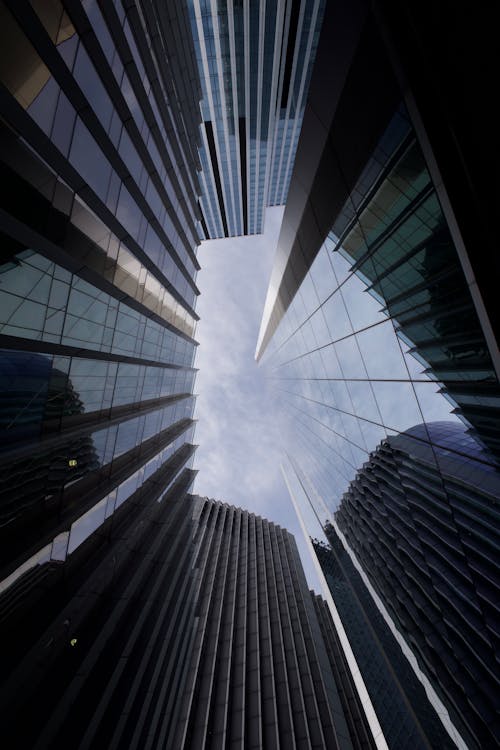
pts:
[381, 354]
[255, 61]
[98, 273]
[382, 334]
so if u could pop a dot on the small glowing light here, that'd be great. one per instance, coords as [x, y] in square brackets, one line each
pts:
[72, 462]
[73, 641]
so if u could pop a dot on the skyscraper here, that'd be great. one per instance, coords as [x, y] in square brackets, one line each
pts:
[183, 623]
[98, 144]
[365, 202]
[255, 61]
[99, 211]
[380, 316]
[259, 675]
[407, 718]
[424, 525]
[357, 722]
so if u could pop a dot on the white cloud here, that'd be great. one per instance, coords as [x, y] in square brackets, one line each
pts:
[240, 428]
[238, 455]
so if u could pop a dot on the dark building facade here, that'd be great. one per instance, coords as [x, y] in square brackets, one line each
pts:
[400, 708]
[406, 717]
[381, 315]
[425, 527]
[95, 643]
[359, 729]
[259, 674]
[99, 215]
[183, 623]
[98, 146]
[411, 560]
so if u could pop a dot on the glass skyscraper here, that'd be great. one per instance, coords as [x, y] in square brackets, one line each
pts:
[423, 521]
[98, 270]
[406, 717]
[382, 333]
[379, 324]
[255, 61]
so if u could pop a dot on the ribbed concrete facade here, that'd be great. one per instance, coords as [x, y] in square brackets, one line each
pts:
[259, 672]
[182, 623]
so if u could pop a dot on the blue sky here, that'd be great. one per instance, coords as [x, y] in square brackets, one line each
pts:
[239, 428]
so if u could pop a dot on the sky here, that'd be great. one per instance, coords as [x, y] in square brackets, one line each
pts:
[239, 426]
[242, 432]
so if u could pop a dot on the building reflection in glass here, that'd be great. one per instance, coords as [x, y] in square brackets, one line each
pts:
[36, 396]
[415, 542]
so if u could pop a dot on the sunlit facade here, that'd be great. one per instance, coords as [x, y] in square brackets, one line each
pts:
[255, 61]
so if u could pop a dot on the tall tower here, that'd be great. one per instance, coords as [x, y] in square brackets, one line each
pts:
[259, 672]
[255, 61]
[370, 209]
[424, 526]
[407, 718]
[98, 145]
[183, 623]
[359, 728]
[380, 316]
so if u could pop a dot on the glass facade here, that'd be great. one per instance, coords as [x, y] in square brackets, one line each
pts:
[391, 684]
[382, 334]
[376, 345]
[255, 62]
[98, 274]
[424, 523]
